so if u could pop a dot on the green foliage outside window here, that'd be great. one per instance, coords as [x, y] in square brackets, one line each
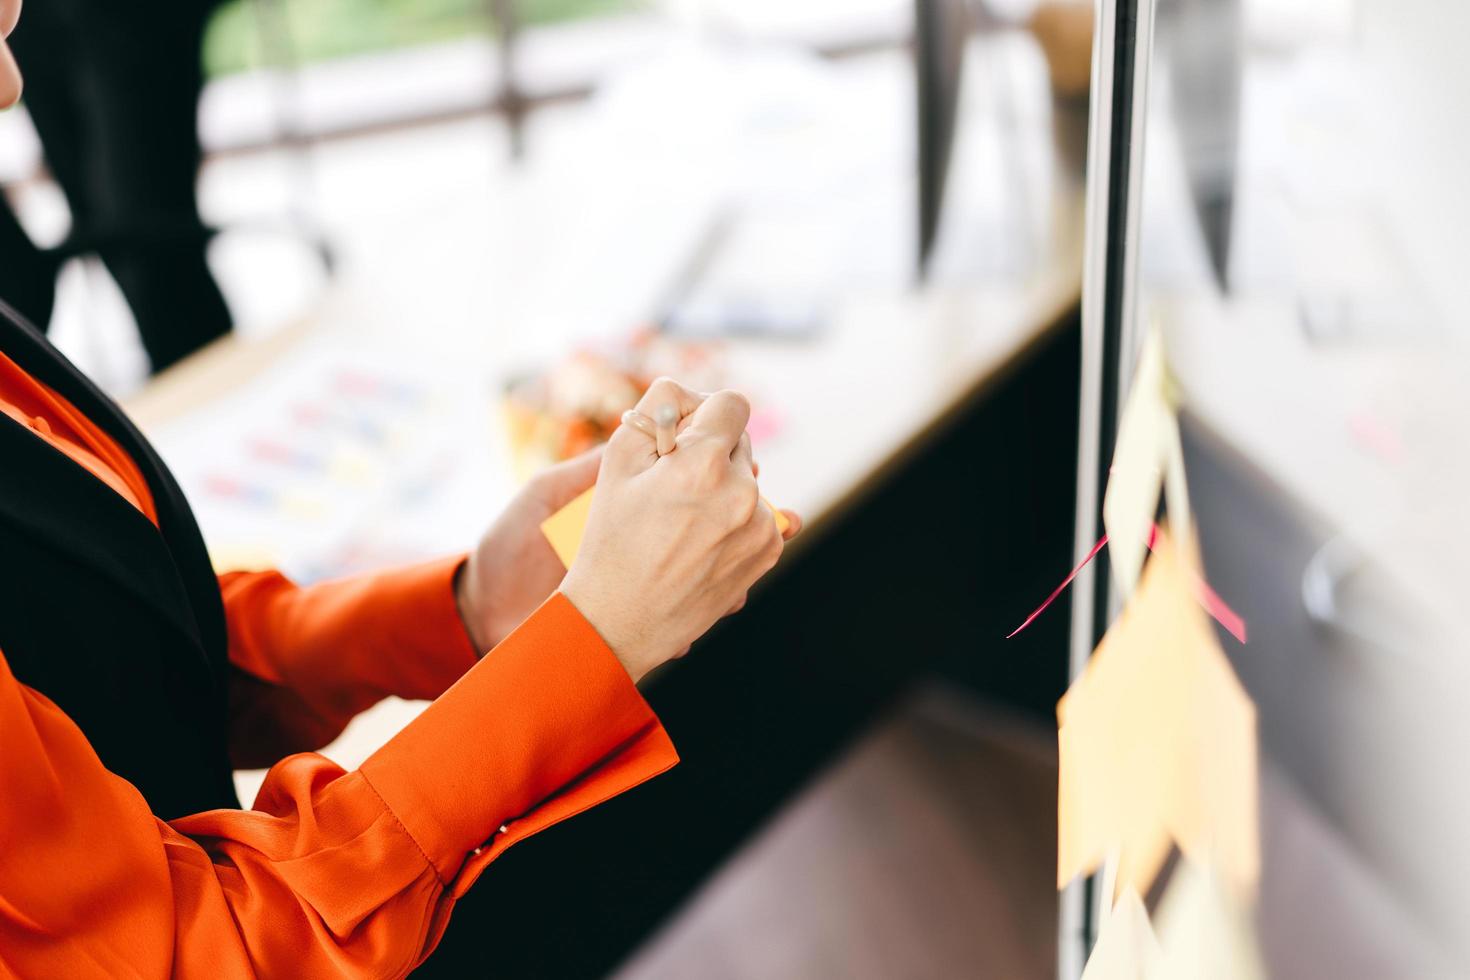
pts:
[322, 29]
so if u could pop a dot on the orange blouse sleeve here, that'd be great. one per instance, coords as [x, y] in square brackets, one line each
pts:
[334, 873]
[307, 660]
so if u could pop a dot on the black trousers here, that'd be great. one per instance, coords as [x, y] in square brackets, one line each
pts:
[113, 89]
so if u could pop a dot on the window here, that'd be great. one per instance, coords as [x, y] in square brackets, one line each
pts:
[323, 29]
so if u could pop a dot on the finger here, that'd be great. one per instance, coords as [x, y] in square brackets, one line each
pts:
[629, 451]
[739, 605]
[666, 392]
[741, 455]
[664, 427]
[559, 485]
[641, 422]
[793, 524]
[632, 447]
[720, 421]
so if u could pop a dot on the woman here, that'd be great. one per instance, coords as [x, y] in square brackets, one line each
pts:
[131, 681]
[115, 102]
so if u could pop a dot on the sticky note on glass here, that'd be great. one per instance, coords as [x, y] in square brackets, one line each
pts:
[1146, 457]
[1204, 931]
[1157, 742]
[564, 529]
[1126, 948]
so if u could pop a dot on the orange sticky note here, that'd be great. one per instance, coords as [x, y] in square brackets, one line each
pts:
[564, 528]
[1157, 742]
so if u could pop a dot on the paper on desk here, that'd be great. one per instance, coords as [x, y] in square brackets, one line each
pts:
[1204, 931]
[1126, 948]
[564, 528]
[342, 458]
[1147, 456]
[1157, 741]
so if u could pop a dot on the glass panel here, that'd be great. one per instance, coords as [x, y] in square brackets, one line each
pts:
[1310, 154]
[1302, 245]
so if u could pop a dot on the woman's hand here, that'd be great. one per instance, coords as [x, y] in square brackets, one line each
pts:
[513, 569]
[673, 543]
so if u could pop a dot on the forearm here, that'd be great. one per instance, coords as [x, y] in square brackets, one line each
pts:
[309, 659]
[333, 873]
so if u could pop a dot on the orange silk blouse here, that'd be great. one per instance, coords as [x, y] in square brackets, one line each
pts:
[331, 873]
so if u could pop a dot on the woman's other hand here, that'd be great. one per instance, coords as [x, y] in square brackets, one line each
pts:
[514, 569]
[673, 542]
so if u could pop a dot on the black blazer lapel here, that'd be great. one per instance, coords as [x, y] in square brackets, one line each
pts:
[53, 500]
[48, 494]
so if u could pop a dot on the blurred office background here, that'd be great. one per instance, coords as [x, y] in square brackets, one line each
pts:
[325, 124]
[456, 236]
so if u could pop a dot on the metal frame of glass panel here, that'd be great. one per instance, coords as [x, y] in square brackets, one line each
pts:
[1120, 54]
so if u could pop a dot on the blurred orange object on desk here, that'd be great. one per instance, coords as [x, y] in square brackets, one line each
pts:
[577, 403]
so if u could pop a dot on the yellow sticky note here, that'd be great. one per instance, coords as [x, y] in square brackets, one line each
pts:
[1126, 948]
[564, 528]
[1157, 742]
[782, 521]
[1146, 450]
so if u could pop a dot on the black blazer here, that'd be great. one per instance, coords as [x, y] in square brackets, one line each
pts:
[117, 621]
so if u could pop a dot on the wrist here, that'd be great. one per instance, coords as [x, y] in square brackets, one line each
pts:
[623, 636]
[465, 592]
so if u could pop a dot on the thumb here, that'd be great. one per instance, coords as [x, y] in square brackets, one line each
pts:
[559, 485]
